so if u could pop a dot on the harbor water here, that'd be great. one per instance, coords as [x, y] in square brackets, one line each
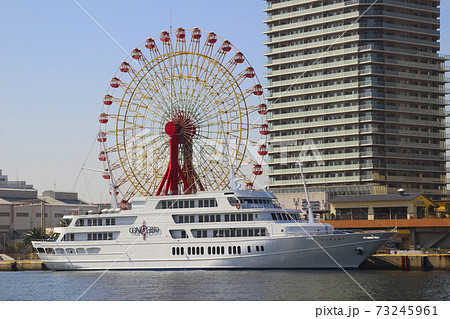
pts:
[233, 285]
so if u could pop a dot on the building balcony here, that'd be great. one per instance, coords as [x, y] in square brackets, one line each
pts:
[314, 90]
[376, 47]
[320, 124]
[305, 46]
[288, 26]
[311, 56]
[396, 15]
[320, 9]
[317, 33]
[315, 169]
[312, 67]
[335, 99]
[300, 114]
[408, 98]
[399, 27]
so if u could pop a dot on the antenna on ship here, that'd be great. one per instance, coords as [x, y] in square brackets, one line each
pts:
[310, 212]
[233, 181]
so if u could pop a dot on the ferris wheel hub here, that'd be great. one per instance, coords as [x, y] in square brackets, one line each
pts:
[170, 128]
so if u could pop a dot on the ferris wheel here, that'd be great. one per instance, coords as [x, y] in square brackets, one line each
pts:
[178, 113]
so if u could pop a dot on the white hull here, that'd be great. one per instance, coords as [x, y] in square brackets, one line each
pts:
[294, 252]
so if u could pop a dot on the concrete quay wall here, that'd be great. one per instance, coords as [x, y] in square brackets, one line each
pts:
[18, 265]
[408, 262]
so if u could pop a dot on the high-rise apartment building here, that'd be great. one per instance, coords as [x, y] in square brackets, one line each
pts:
[362, 82]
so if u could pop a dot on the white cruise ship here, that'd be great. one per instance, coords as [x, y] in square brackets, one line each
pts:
[208, 230]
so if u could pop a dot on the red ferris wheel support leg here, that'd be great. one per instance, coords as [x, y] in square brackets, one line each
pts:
[173, 173]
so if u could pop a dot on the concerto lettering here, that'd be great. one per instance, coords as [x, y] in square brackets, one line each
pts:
[144, 230]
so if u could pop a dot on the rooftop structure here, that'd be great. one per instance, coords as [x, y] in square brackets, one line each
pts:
[5, 183]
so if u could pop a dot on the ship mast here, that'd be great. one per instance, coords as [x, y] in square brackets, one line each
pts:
[310, 212]
[233, 181]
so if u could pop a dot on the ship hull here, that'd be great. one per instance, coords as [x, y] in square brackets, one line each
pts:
[290, 252]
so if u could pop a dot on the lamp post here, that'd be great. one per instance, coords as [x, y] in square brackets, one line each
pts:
[296, 202]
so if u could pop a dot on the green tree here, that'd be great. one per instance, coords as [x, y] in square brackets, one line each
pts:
[36, 233]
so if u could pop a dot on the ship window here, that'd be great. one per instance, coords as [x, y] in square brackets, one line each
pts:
[200, 218]
[238, 232]
[214, 250]
[89, 236]
[263, 232]
[59, 251]
[262, 248]
[249, 249]
[191, 219]
[229, 250]
[94, 222]
[70, 251]
[81, 251]
[250, 217]
[93, 250]
[239, 250]
[234, 250]
[50, 251]
[163, 204]
[227, 217]
[227, 233]
[222, 250]
[198, 250]
[278, 216]
[209, 250]
[232, 200]
[257, 248]
[233, 217]
[99, 222]
[202, 249]
[189, 250]
[233, 233]
[244, 217]
[238, 217]
[173, 250]
[69, 237]
[217, 218]
[89, 222]
[182, 250]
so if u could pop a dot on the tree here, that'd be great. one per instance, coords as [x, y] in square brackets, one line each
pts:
[36, 233]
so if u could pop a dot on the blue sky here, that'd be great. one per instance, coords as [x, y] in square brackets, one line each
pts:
[56, 64]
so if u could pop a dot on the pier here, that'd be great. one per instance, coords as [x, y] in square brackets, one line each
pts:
[407, 261]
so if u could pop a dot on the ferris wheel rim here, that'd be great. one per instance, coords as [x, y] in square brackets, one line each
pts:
[230, 78]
